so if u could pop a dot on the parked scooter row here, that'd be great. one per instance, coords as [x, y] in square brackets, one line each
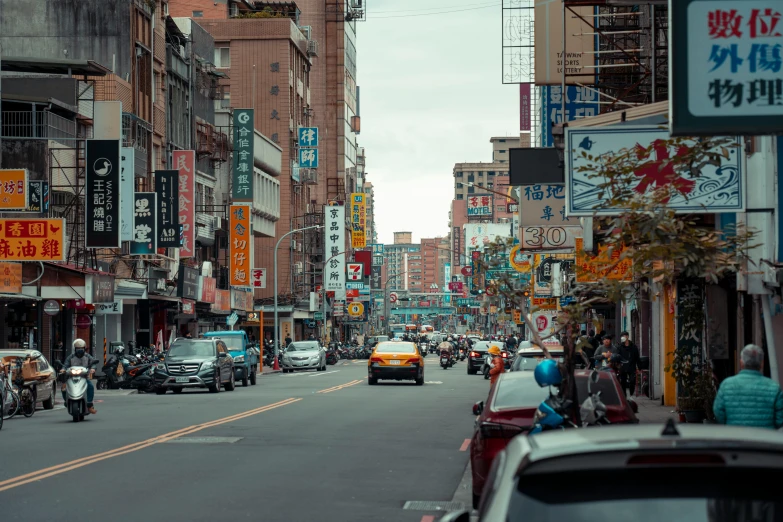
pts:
[128, 372]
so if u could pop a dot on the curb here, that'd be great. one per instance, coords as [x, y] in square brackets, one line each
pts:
[270, 372]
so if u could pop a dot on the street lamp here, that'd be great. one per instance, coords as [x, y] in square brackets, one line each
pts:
[471, 184]
[277, 325]
[386, 304]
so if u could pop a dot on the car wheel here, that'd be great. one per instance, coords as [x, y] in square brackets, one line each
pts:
[231, 384]
[245, 378]
[215, 388]
[177, 390]
[253, 376]
[471, 371]
[48, 404]
[486, 373]
[420, 380]
[160, 391]
[372, 381]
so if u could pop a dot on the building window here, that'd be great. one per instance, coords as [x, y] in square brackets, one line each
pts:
[470, 177]
[501, 208]
[198, 14]
[490, 173]
[222, 57]
[502, 151]
[459, 174]
[471, 189]
[459, 196]
[501, 141]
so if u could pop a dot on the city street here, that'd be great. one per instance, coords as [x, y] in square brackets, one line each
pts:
[306, 446]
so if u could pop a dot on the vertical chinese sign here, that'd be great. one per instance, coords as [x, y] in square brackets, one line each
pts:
[334, 239]
[185, 164]
[307, 140]
[187, 282]
[13, 189]
[127, 177]
[167, 189]
[102, 194]
[145, 235]
[35, 190]
[358, 220]
[480, 205]
[524, 107]
[32, 239]
[244, 137]
[240, 249]
[11, 278]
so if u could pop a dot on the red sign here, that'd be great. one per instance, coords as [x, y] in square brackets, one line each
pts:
[467, 270]
[455, 286]
[83, 321]
[185, 163]
[208, 287]
[352, 293]
[424, 303]
[188, 307]
[355, 272]
[524, 106]
[541, 322]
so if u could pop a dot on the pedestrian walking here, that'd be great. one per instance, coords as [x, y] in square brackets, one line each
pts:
[629, 357]
[749, 398]
[288, 340]
[511, 343]
[498, 366]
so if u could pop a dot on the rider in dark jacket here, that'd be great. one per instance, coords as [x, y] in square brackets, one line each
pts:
[80, 357]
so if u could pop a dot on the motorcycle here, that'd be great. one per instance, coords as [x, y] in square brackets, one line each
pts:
[462, 354]
[331, 356]
[122, 374]
[75, 379]
[446, 360]
[553, 412]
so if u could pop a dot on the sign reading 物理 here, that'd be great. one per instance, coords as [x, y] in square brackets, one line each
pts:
[334, 247]
[167, 189]
[185, 164]
[244, 139]
[358, 217]
[581, 102]
[726, 67]
[127, 178]
[102, 194]
[32, 239]
[480, 205]
[717, 188]
[145, 224]
[240, 247]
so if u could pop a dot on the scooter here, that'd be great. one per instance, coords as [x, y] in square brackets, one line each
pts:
[76, 390]
[131, 377]
[446, 360]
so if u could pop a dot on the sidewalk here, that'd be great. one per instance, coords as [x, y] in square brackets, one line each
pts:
[651, 411]
[267, 370]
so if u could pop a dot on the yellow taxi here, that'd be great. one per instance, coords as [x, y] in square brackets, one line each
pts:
[397, 360]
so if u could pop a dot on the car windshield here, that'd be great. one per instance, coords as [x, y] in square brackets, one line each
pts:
[605, 385]
[700, 494]
[189, 348]
[483, 346]
[388, 347]
[233, 342]
[302, 347]
[518, 392]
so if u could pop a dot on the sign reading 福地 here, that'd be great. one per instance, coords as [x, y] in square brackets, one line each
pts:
[480, 205]
[581, 102]
[726, 67]
[241, 240]
[145, 236]
[717, 189]
[32, 239]
[358, 217]
[334, 246]
[185, 164]
[127, 178]
[167, 189]
[102, 194]
[244, 139]
[13, 189]
[544, 204]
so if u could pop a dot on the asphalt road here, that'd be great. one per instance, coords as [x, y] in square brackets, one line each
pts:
[297, 447]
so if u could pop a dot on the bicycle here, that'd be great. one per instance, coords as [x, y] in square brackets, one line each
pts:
[27, 394]
[8, 397]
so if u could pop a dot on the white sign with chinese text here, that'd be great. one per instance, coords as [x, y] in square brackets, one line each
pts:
[543, 204]
[334, 248]
[259, 278]
[477, 235]
[479, 205]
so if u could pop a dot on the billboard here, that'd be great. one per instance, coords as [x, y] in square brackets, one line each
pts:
[244, 140]
[240, 246]
[102, 194]
[580, 102]
[32, 239]
[550, 57]
[479, 205]
[334, 248]
[358, 220]
[185, 164]
[13, 189]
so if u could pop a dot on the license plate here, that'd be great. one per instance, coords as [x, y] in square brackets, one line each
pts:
[394, 362]
[181, 379]
[444, 360]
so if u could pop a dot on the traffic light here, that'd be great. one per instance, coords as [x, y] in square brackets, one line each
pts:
[526, 293]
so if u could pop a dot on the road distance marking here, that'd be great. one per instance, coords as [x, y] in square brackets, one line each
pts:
[465, 445]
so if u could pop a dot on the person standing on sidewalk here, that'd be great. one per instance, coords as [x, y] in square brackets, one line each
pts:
[629, 356]
[498, 366]
[749, 398]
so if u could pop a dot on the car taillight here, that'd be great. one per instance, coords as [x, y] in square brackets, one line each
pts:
[414, 360]
[474, 354]
[491, 430]
[376, 359]
[504, 355]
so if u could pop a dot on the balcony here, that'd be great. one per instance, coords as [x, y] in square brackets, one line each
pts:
[37, 125]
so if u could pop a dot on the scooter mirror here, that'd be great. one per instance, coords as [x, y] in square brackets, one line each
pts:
[594, 376]
[478, 408]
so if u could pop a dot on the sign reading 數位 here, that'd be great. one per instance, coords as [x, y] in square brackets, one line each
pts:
[244, 138]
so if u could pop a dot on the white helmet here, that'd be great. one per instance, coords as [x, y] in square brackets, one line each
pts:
[79, 343]
[450, 338]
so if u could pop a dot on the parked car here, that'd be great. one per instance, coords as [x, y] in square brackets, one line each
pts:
[46, 388]
[304, 355]
[477, 355]
[656, 471]
[195, 363]
[511, 406]
[246, 357]
[528, 356]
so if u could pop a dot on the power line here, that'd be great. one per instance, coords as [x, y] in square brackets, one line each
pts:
[430, 14]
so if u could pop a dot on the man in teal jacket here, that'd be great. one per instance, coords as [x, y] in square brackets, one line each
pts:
[749, 398]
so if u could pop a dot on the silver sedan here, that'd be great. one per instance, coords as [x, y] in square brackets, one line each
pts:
[304, 355]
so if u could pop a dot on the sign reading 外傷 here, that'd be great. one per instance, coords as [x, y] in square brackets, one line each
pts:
[244, 140]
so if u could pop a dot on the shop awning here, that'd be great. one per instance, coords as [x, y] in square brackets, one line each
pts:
[130, 290]
[19, 297]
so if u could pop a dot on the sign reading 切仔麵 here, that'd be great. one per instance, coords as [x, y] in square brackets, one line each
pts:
[334, 248]
[479, 205]
[716, 189]
[358, 217]
[185, 164]
[244, 140]
[240, 247]
[102, 194]
[167, 189]
[726, 67]
[32, 239]
[145, 237]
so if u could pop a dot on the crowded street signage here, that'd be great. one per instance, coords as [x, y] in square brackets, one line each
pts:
[580, 102]
[726, 67]
[244, 140]
[32, 239]
[480, 205]
[240, 247]
[35, 199]
[334, 246]
[185, 164]
[590, 268]
[167, 189]
[544, 205]
[207, 286]
[13, 189]
[717, 187]
[11, 278]
[187, 282]
[102, 194]
[259, 278]
[145, 224]
[358, 220]
[127, 178]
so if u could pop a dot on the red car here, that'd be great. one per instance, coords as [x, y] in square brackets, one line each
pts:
[511, 404]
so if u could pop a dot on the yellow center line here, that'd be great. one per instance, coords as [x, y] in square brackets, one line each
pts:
[340, 387]
[85, 461]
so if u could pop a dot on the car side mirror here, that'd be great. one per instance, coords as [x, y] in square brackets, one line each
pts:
[478, 408]
[222, 354]
[634, 406]
[595, 376]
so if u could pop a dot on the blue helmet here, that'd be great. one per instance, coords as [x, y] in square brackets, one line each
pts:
[547, 373]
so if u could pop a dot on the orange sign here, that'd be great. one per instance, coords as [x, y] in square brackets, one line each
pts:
[240, 248]
[222, 301]
[11, 278]
[543, 303]
[32, 239]
[13, 189]
[590, 269]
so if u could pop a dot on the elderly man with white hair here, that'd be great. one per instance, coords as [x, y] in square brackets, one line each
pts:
[749, 398]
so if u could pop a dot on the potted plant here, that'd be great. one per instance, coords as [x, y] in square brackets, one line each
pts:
[696, 390]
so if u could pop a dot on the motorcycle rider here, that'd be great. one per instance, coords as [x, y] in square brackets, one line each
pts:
[498, 366]
[80, 357]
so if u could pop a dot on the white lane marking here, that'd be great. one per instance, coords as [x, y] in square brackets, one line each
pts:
[321, 373]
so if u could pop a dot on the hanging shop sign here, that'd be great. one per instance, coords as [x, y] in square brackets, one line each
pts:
[51, 307]
[167, 189]
[717, 188]
[11, 279]
[520, 261]
[188, 307]
[580, 102]
[334, 243]
[544, 205]
[207, 287]
[259, 278]
[35, 195]
[32, 239]
[560, 239]
[726, 60]
[187, 282]
[480, 205]
[478, 235]
[358, 220]
[244, 140]
[241, 241]
[222, 301]
[102, 194]
[127, 178]
[13, 189]
[185, 164]
[590, 268]
[113, 308]
[145, 224]
[100, 288]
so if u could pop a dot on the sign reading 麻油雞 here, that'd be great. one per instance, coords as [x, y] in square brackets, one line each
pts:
[187, 282]
[167, 189]
[145, 237]
[102, 194]
[244, 140]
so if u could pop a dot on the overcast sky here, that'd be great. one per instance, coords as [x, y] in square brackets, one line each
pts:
[431, 96]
